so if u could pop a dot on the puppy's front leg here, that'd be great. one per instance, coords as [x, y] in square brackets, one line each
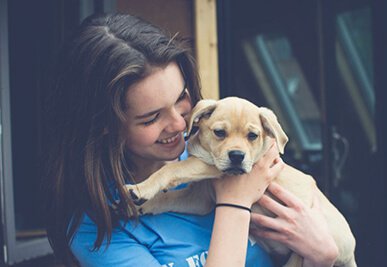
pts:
[196, 198]
[172, 175]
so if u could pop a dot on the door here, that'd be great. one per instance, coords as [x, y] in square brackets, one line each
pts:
[313, 63]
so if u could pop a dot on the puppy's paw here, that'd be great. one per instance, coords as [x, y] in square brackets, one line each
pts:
[142, 192]
[136, 200]
[136, 195]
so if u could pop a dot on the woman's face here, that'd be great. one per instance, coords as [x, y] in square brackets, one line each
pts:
[156, 107]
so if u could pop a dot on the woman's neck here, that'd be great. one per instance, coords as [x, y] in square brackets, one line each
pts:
[145, 168]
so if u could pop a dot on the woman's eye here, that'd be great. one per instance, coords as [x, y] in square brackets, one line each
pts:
[252, 136]
[183, 95]
[154, 119]
[220, 133]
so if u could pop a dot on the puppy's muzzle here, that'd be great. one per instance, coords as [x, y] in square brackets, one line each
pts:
[236, 158]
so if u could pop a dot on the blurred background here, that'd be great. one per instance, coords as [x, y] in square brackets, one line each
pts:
[320, 65]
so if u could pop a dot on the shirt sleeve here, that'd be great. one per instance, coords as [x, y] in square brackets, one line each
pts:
[123, 250]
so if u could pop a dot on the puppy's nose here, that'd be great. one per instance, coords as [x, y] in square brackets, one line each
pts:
[236, 156]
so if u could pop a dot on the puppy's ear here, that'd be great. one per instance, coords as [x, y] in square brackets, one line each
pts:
[202, 109]
[272, 127]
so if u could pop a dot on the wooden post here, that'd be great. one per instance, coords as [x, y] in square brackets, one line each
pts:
[206, 44]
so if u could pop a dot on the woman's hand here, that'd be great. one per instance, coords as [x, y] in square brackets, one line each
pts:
[248, 188]
[304, 230]
[228, 248]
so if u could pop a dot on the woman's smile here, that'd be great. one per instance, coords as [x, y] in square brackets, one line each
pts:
[171, 140]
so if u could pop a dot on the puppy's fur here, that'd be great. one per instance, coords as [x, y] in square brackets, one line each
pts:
[232, 134]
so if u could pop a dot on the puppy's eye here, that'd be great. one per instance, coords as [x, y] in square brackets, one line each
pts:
[252, 136]
[220, 133]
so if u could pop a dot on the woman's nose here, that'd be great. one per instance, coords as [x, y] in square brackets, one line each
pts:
[177, 122]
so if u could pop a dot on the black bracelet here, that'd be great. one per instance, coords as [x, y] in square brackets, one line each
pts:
[233, 206]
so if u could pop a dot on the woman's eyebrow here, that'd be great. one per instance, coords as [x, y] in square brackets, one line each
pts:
[150, 113]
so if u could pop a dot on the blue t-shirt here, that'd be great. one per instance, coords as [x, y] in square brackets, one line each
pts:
[168, 240]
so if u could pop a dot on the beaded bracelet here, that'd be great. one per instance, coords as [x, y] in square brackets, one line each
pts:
[233, 206]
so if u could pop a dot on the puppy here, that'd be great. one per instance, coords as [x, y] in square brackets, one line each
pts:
[226, 138]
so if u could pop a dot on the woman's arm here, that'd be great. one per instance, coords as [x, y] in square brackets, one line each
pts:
[304, 230]
[229, 239]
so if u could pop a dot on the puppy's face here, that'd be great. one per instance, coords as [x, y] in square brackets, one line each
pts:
[235, 132]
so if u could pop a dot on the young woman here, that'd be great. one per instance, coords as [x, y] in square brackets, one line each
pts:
[122, 90]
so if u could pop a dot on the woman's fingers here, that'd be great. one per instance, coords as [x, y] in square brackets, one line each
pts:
[285, 196]
[271, 154]
[267, 234]
[273, 206]
[271, 162]
[299, 227]
[266, 222]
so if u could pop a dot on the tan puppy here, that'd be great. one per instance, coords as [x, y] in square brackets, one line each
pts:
[232, 134]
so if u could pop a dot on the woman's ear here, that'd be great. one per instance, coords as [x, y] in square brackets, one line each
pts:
[272, 127]
[203, 108]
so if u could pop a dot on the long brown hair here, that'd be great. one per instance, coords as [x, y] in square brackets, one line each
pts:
[86, 115]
